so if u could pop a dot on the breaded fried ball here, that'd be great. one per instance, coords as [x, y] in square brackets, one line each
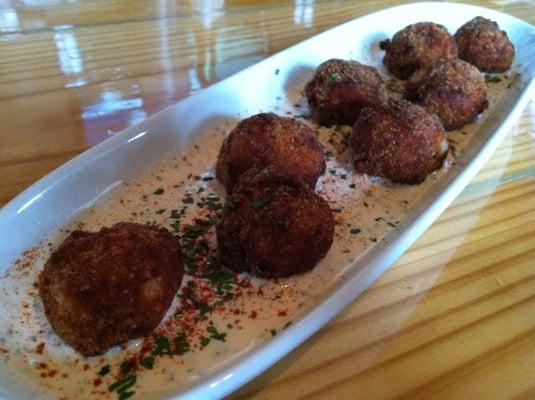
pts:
[100, 289]
[415, 46]
[483, 44]
[267, 139]
[400, 141]
[274, 225]
[339, 89]
[452, 89]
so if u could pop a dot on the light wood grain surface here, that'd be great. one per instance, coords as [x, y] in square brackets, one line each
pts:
[453, 318]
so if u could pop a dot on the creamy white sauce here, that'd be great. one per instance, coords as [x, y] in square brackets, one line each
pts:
[368, 209]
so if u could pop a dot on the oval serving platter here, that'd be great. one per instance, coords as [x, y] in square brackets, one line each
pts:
[377, 221]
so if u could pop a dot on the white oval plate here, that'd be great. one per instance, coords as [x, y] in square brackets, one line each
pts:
[54, 200]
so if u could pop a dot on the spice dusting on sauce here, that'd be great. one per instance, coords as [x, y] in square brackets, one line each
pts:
[217, 315]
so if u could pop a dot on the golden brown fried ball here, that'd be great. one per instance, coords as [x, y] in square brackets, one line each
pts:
[339, 89]
[399, 141]
[103, 288]
[483, 44]
[452, 89]
[415, 46]
[274, 225]
[267, 139]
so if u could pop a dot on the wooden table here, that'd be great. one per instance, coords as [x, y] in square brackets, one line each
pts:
[453, 318]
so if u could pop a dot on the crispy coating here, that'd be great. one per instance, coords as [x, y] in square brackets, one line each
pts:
[400, 141]
[274, 225]
[452, 89]
[103, 288]
[267, 139]
[339, 89]
[415, 46]
[483, 44]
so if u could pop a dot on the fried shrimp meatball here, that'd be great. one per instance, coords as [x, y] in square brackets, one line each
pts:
[339, 89]
[274, 225]
[267, 139]
[399, 141]
[416, 46]
[103, 288]
[483, 44]
[452, 89]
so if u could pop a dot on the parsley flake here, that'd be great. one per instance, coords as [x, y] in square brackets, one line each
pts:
[214, 334]
[126, 367]
[104, 370]
[122, 385]
[162, 346]
[492, 78]
[147, 362]
[181, 344]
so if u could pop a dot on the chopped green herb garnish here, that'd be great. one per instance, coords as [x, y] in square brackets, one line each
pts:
[492, 78]
[126, 366]
[214, 334]
[205, 341]
[181, 344]
[175, 214]
[391, 224]
[365, 204]
[287, 324]
[162, 346]
[194, 231]
[176, 226]
[160, 211]
[200, 190]
[204, 308]
[126, 395]
[355, 231]
[104, 370]
[147, 362]
[187, 200]
[123, 384]
[331, 77]
[379, 219]
[158, 191]
[273, 332]
[222, 280]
